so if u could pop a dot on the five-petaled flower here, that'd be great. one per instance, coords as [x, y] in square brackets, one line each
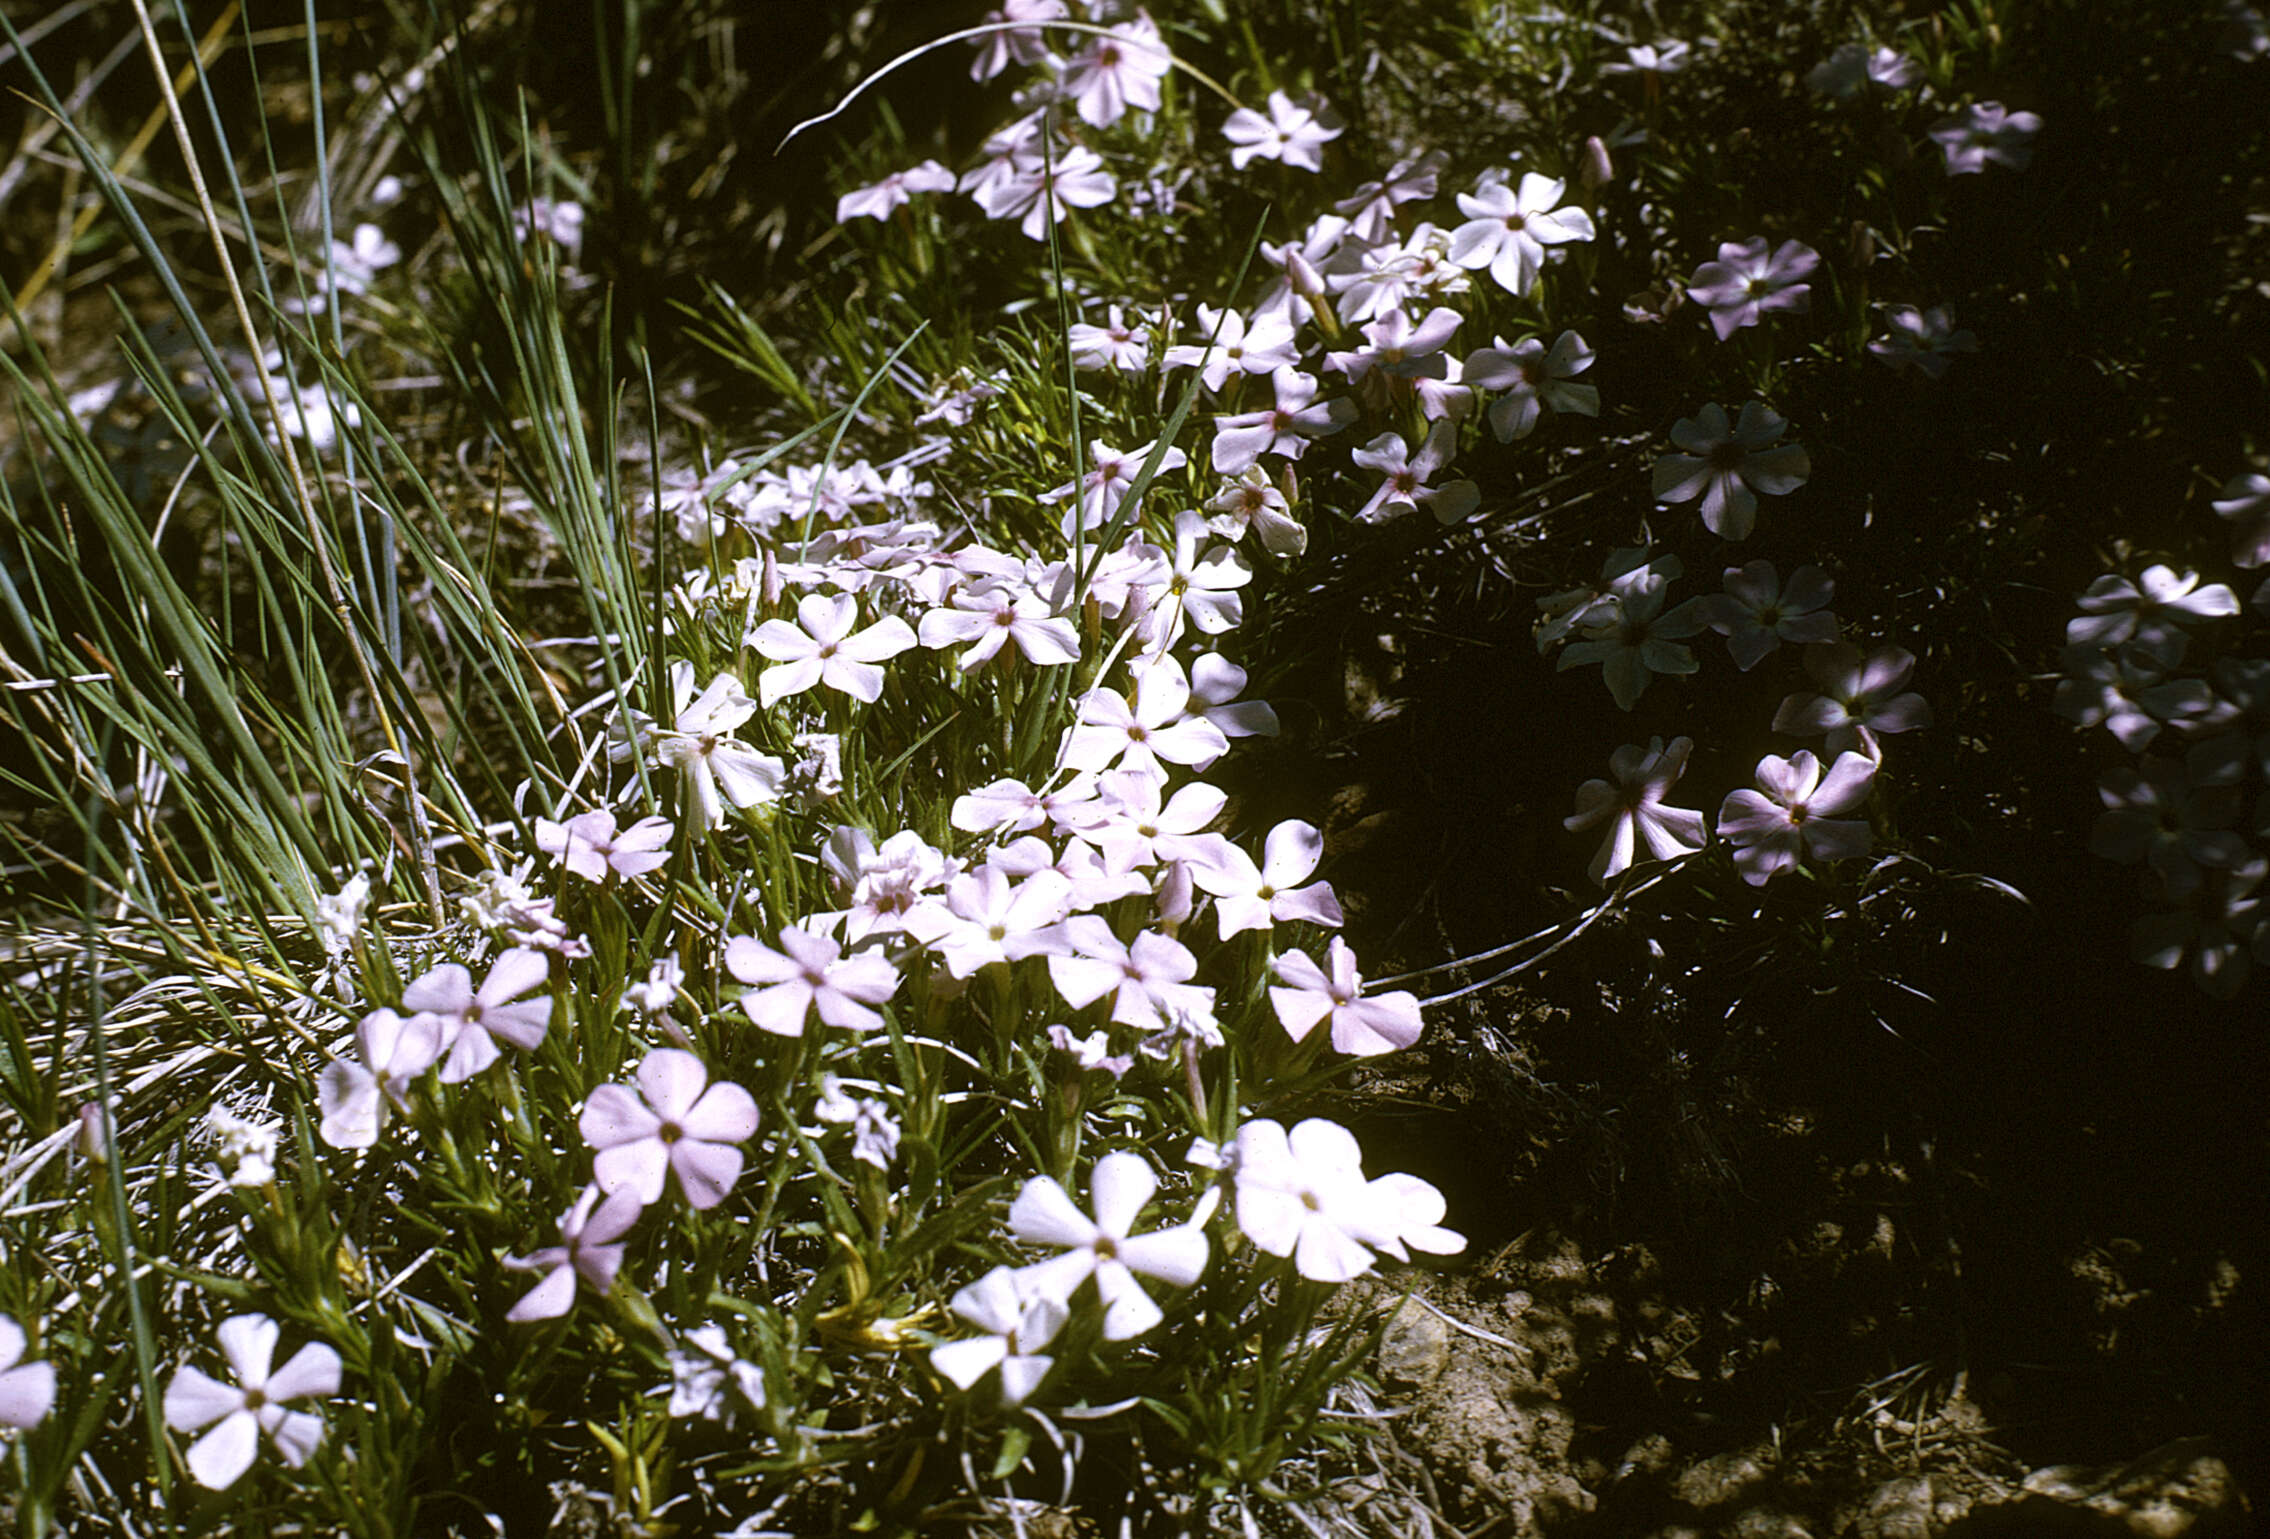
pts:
[1923, 340]
[893, 192]
[809, 974]
[1745, 282]
[590, 1248]
[1633, 808]
[1508, 231]
[1727, 466]
[675, 1123]
[253, 1405]
[1361, 1027]
[1290, 133]
[1532, 378]
[1303, 1194]
[1860, 697]
[27, 1390]
[589, 845]
[1985, 134]
[1101, 1247]
[472, 1019]
[822, 648]
[1795, 814]
[1019, 1317]
[1406, 486]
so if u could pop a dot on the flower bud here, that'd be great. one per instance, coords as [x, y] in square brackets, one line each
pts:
[1594, 168]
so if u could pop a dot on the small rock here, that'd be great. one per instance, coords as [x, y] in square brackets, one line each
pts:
[1416, 1346]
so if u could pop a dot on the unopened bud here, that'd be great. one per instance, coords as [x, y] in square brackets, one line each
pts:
[1301, 273]
[94, 1132]
[769, 585]
[1860, 247]
[1594, 167]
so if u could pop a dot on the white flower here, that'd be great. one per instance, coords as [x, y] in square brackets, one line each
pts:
[717, 767]
[1406, 487]
[874, 1131]
[1532, 379]
[1860, 697]
[1922, 340]
[1371, 208]
[1113, 345]
[1986, 133]
[1843, 73]
[1290, 133]
[1102, 1248]
[675, 1123]
[589, 1248]
[1793, 814]
[243, 1147]
[1251, 897]
[809, 973]
[1757, 613]
[27, 1390]
[1014, 44]
[356, 1097]
[253, 1405]
[1304, 1195]
[1664, 58]
[711, 1381]
[1283, 429]
[2246, 503]
[1235, 347]
[589, 845]
[2150, 613]
[471, 1019]
[339, 915]
[1019, 1318]
[1507, 232]
[1147, 980]
[1251, 502]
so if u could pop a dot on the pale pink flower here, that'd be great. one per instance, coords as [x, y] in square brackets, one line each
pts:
[989, 615]
[1633, 808]
[809, 975]
[1745, 282]
[1250, 502]
[1360, 1027]
[1039, 191]
[1282, 429]
[717, 768]
[1532, 379]
[588, 845]
[1019, 1317]
[1303, 1194]
[1984, 134]
[2246, 503]
[675, 1123]
[1406, 487]
[356, 1098]
[1014, 44]
[471, 1019]
[1922, 340]
[1399, 347]
[27, 1390]
[1215, 684]
[1794, 814]
[1141, 733]
[1860, 697]
[238, 1413]
[1148, 981]
[822, 648]
[1102, 1248]
[1110, 476]
[1757, 613]
[1114, 345]
[893, 192]
[1727, 466]
[1257, 897]
[1371, 208]
[589, 1248]
[1116, 73]
[1263, 347]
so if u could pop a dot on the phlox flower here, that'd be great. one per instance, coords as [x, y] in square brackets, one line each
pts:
[1794, 814]
[1110, 476]
[27, 1390]
[238, 1413]
[1852, 66]
[1011, 806]
[558, 220]
[1147, 981]
[709, 1380]
[1139, 734]
[1370, 209]
[893, 192]
[2156, 816]
[1532, 379]
[2215, 925]
[1290, 133]
[1633, 808]
[675, 1123]
[1116, 73]
[885, 885]
[809, 975]
[1282, 429]
[1757, 612]
[989, 615]
[1360, 1027]
[1633, 640]
[1405, 488]
[1398, 346]
[1201, 586]
[1259, 897]
[2127, 692]
[471, 1020]
[1249, 501]
[1745, 282]
[1113, 345]
[2150, 613]
[1215, 684]
[1922, 340]
[1727, 466]
[1667, 57]
[1263, 347]
[1101, 1247]
[1303, 1194]
[716, 767]
[590, 1234]
[1986, 133]
[356, 1098]
[1860, 697]
[1508, 231]
[588, 845]
[1014, 44]
[1627, 571]
[1092, 1052]
[1039, 191]
[875, 1132]
[2246, 503]
[1373, 278]
[822, 648]
[1136, 827]
[1019, 1318]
